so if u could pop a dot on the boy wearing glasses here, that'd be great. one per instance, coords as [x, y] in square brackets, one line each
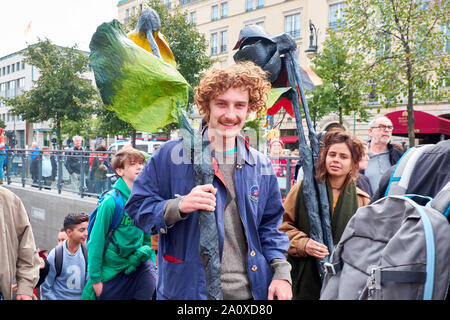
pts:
[382, 153]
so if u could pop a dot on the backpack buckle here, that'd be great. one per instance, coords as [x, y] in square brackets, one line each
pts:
[374, 280]
[329, 268]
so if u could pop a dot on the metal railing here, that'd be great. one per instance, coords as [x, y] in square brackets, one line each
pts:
[285, 173]
[81, 172]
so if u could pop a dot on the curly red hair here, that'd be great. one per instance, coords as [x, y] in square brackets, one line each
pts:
[245, 75]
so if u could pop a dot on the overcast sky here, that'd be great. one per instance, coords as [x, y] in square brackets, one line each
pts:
[64, 22]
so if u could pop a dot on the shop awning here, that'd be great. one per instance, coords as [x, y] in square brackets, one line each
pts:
[426, 123]
[290, 139]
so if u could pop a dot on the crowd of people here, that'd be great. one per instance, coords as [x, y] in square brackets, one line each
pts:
[265, 248]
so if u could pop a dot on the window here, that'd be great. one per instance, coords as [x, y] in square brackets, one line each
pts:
[214, 43]
[193, 17]
[223, 41]
[127, 16]
[259, 4]
[20, 85]
[23, 65]
[292, 25]
[248, 5]
[224, 10]
[446, 31]
[12, 88]
[214, 12]
[18, 66]
[336, 15]
[8, 68]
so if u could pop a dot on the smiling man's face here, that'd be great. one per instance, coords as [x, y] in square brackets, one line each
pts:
[227, 114]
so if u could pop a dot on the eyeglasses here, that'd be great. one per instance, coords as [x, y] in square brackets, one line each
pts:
[383, 127]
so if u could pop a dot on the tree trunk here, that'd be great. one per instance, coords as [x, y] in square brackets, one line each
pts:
[133, 138]
[410, 106]
[58, 133]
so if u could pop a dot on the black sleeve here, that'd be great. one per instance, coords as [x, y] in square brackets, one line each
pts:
[43, 273]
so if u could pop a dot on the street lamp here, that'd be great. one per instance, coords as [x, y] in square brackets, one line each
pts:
[312, 50]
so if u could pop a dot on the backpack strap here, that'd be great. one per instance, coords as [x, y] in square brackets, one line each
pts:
[117, 217]
[84, 250]
[429, 243]
[441, 201]
[399, 180]
[59, 258]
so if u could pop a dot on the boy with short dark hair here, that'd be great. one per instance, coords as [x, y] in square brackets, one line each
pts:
[70, 283]
[124, 269]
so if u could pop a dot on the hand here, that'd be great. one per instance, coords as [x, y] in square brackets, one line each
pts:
[23, 297]
[98, 288]
[281, 289]
[316, 249]
[200, 198]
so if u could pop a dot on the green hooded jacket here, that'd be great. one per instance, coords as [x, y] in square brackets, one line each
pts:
[129, 246]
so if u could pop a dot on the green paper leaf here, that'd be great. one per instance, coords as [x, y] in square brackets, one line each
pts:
[139, 87]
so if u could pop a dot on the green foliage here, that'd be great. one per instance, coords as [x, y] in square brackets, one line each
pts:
[2, 124]
[60, 93]
[405, 49]
[340, 91]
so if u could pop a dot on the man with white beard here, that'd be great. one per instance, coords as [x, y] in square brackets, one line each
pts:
[382, 153]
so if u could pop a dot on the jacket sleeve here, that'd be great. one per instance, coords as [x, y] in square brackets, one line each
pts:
[27, 273]
[34, 168]
[54, 167]
[273, 242]
[145, 205]
[47, 285]
[297, 238]
[97, 239]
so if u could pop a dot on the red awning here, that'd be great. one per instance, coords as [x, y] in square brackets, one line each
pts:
[425, 123]
[290, 139]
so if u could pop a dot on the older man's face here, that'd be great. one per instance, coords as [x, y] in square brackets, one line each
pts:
[381, 132]
[77, 142]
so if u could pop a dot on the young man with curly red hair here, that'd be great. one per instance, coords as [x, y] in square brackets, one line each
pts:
[244, 196]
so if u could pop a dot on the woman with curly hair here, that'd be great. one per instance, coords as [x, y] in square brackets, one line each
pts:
[248, 208]
[338, 167]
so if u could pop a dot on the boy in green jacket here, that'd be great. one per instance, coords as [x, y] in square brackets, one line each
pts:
[125, 271]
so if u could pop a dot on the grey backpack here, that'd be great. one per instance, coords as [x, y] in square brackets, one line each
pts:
[392, 249]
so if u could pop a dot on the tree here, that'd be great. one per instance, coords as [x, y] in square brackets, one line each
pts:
[339, 92]
[404, 45]
[60, 93]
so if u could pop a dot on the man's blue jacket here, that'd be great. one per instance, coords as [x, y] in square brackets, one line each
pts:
[180, 271]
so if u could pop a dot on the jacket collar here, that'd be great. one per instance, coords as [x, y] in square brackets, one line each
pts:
[245, 154]
[122, 187]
